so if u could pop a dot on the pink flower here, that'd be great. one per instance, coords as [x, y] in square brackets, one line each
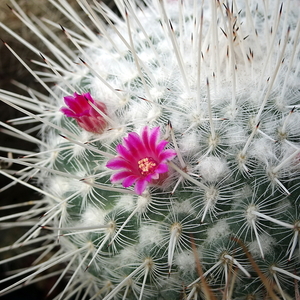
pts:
[141, 159]
[85, 115]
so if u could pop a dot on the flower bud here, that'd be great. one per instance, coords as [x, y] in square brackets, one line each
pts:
[87, 117]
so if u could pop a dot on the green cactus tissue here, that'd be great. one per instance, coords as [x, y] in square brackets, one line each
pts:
[168, 152]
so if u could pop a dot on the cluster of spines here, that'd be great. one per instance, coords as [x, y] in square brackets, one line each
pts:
[95, 187]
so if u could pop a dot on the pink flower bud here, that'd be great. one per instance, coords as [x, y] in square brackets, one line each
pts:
[86, 116]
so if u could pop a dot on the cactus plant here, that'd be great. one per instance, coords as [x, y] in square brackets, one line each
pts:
[168, 152]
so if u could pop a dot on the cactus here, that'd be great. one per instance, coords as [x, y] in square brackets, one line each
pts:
[168, 152]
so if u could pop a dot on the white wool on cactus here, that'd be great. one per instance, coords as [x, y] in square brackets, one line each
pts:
[168, 152]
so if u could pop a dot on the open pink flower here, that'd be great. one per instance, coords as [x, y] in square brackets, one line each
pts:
[141, 159]
[86, 116]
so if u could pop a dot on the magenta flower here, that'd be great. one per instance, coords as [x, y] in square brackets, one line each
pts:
[141, 159]
[85, 115]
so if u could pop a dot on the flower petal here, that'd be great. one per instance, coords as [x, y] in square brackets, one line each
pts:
[161, 145]
[120, 176]
[134, 143]
[167, 155]
[145, 137]
[124, 153]
[161, 168]
[130, 180]
[68, 112]
[154, 137]
[140, 186]
[88, 96]
[118, 163]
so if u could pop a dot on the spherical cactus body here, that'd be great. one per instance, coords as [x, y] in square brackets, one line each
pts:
[168, 152]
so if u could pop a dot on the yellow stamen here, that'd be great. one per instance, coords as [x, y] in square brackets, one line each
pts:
[147, 165]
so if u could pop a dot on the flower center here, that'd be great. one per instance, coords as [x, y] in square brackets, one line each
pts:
[147, 165]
